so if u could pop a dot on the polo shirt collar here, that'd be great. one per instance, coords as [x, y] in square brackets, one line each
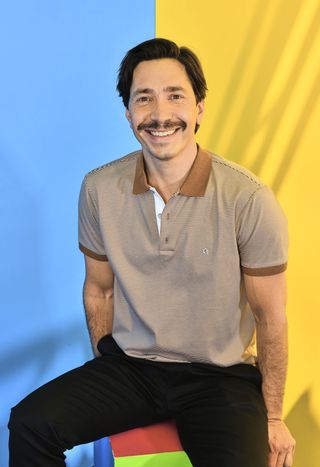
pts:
[194, 185]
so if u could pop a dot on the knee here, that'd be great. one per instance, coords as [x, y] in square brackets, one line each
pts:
[34, 436]
[28, 415]
[34, 425]
[13, 422]
[21, 417]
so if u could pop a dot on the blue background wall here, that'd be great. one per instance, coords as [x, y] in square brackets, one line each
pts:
[60, 117]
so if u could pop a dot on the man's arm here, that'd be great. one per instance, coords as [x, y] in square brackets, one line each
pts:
[267, 299]
[98, 299]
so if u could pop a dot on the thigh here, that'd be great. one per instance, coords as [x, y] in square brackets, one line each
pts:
[107, 395]
[223, 423]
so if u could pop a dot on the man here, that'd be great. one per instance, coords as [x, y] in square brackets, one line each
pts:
[185, 255]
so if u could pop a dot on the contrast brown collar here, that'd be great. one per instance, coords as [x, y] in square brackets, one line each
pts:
[194, 185]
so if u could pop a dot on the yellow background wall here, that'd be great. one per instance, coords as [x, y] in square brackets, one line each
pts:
[262, 63]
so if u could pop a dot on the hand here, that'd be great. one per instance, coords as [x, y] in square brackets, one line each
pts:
[281, 444]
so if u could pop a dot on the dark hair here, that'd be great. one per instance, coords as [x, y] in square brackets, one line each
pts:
[154, 49]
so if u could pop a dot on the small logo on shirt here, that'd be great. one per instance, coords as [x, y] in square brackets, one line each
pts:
[205, 251]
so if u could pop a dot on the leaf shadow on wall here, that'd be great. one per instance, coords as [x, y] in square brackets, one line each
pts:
[250, 122]
[306, 432]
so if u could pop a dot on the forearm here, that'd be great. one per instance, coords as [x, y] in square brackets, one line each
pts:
[99, 313]
[267, 299]
[272, 347]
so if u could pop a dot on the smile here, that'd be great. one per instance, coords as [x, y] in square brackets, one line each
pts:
[163, 133]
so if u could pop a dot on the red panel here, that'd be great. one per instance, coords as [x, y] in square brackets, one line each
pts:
[161, 437]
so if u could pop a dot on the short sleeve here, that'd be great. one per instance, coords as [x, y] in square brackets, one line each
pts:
[263, 235]
[90, 241]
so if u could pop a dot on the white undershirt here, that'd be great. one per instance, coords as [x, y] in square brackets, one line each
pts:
[159, 205]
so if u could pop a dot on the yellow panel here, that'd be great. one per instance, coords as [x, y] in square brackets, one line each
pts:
[262, 63]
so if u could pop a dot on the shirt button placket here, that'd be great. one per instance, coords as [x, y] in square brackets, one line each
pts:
[166, 240]
[166, 218]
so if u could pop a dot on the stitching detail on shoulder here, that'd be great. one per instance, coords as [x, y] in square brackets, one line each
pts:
[239, 171]
[260, 187]
[90, 193]
[117, 161]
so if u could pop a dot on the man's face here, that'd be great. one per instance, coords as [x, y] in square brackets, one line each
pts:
[162, 109]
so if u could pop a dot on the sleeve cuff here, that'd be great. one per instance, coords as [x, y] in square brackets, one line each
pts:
[268, 271]
[92, 254]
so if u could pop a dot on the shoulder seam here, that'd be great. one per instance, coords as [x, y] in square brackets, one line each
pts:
[89, 191]
[260, 184]
[249, 200]
[117, 161]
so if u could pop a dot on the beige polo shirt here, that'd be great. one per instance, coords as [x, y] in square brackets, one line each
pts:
[179, 295]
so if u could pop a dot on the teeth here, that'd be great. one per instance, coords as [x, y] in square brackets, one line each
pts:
[162, 133]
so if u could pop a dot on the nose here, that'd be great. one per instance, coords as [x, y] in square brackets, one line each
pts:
[161, 110]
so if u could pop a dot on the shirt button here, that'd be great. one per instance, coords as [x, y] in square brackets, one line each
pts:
[166, 239]
[168, 216]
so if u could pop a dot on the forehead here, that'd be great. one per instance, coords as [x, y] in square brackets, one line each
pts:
[160, 73]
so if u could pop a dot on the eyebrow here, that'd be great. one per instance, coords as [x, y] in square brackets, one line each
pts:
[142, 91]
[174, 89]
[151, 91]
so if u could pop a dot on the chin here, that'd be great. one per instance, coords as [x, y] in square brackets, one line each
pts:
[161, 155]
[160, 152]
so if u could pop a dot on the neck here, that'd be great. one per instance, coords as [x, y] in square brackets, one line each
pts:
[168, 175]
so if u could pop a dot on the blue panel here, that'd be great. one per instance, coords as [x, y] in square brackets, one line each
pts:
[103, 456]
[59, 117]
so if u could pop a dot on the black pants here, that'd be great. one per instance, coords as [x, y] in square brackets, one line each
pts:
[219, 412]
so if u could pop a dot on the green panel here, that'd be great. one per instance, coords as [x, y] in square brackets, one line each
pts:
[167, 459]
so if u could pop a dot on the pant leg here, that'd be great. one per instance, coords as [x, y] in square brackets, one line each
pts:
[107, 395]
[221, 417]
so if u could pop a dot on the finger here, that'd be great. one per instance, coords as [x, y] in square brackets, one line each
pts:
[272, 460]
[288, 462]
[281, 458]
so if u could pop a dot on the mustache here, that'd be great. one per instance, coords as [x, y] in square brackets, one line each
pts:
[166, 125]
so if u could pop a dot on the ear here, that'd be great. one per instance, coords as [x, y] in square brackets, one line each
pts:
[200, 107]
[128, 116]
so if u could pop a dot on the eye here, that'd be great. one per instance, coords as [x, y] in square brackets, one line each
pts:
[143, 99]
[176, 97]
